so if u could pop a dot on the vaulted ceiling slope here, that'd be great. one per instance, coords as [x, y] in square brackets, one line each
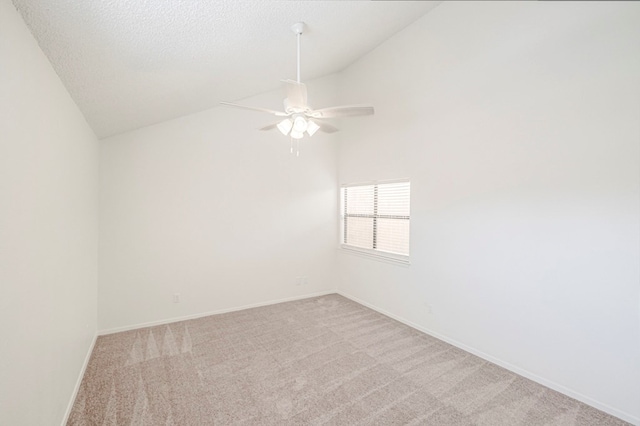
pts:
[129, 64]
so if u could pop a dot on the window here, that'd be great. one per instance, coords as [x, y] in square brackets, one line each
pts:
[375, 218]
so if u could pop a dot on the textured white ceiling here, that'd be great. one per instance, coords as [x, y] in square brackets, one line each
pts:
[131, 63]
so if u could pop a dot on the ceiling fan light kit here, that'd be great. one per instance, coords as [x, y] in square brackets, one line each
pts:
[299, 117]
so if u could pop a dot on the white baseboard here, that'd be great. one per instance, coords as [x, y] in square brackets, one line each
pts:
[79, 380]
[206, 314]
[520, 371]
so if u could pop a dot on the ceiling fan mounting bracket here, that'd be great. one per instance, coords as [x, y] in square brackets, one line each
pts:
[298, 27]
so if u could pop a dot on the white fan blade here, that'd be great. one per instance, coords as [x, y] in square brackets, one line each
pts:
[269, 127]
[250, 108]
[342, 111]
[325, 127]
[296, 94]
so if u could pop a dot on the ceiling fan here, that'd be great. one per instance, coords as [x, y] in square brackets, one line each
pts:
[298, 117]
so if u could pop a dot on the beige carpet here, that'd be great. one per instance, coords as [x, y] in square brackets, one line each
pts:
[325, 360]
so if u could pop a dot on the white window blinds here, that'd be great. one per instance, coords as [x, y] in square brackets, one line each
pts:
[376, 217]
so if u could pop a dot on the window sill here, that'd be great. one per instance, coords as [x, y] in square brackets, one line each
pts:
[380, 256]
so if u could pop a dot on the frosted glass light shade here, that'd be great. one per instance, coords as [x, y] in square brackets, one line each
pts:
[312, 127]
[299, 124]
[285, 126]
[296, 135]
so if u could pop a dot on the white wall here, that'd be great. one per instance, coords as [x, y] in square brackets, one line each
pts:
[48, 233]
[209, 207]
[519, 126]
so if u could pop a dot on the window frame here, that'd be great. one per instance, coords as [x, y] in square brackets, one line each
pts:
[376, 254]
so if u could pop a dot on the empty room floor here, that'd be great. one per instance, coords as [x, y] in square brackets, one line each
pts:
[323, 360]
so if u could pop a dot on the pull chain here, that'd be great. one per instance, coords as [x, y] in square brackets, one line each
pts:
[297, 146]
